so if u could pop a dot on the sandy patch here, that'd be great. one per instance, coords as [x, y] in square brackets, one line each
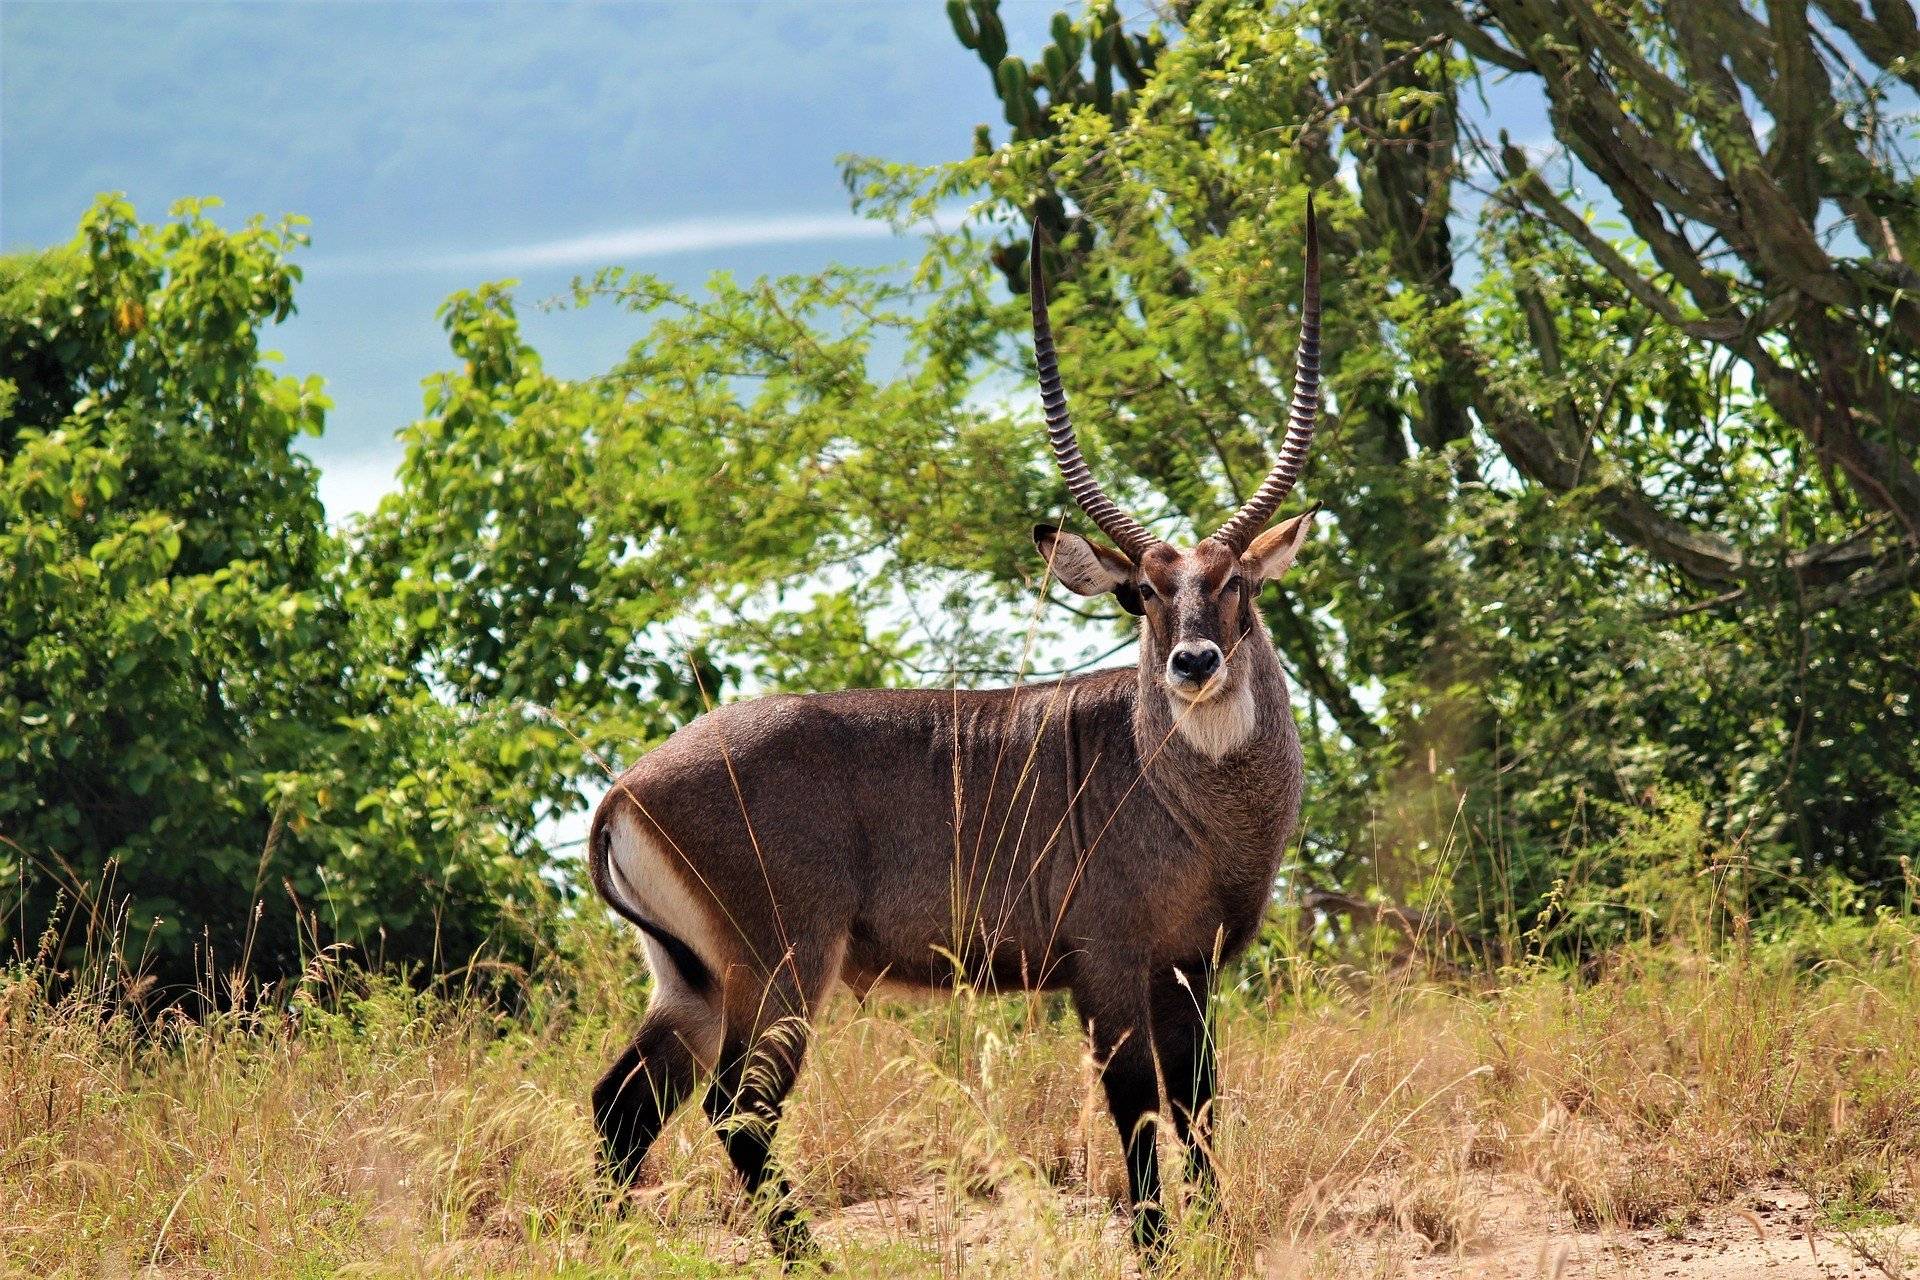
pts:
[1518, 1232]
[1767, 1231]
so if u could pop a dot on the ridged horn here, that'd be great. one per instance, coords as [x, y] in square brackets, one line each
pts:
[1240, 531]
[1126, 532]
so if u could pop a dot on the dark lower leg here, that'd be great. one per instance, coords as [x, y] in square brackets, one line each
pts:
[744, 1104]
[1183, 1042]
[1123, 1045]
[638, 1095]
[1132, 1097]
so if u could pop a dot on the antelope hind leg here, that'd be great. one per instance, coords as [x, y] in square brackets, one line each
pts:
[761, 1051]
[639, 1093]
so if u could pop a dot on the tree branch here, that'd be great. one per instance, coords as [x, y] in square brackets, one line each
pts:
[1301, 644]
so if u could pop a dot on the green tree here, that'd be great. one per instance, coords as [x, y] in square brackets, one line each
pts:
[751, 499]
[1593, 532]
[1616, 517]
[200, 723]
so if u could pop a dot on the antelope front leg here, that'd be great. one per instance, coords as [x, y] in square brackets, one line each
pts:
[1183, 1041]
[1117, 1020]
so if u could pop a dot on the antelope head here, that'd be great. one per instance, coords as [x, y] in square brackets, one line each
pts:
[1197, 604]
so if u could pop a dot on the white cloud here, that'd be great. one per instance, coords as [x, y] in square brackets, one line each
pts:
[689, 235]
[353, 485]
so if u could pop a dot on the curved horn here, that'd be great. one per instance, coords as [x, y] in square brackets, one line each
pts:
[1126, 532]
[1251, 518]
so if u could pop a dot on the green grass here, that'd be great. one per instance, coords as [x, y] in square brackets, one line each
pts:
[359, 1126]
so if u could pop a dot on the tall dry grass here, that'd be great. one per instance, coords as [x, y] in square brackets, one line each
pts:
[355, 1124]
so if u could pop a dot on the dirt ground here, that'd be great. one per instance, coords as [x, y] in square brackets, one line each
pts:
[1768, 1232]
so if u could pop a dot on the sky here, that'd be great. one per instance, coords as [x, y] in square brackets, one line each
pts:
[437, 145]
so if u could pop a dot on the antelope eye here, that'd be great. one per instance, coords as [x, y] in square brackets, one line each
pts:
[1233, 584]
[1146, 589]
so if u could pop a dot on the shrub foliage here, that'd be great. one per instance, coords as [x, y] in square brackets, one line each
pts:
[1622, 517]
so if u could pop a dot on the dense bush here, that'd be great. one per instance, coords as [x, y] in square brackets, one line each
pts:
[200, 721]
[1618, 529]
[1620, 457]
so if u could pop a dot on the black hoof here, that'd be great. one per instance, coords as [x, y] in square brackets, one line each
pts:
[1203, 1193]
[794, 1243]
[616, 1184]
[1150, 1235]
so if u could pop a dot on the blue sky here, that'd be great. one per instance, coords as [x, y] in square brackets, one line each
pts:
[435, 145]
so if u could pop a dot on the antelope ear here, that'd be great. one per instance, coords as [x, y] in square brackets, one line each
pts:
[1083, 566]
[1272, 552]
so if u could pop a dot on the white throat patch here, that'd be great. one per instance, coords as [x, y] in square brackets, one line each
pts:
[1218, 726]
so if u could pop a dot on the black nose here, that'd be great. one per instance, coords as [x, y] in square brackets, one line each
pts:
[1195, 664]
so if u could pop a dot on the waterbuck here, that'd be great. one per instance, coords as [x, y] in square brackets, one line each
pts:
[1113, 834]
